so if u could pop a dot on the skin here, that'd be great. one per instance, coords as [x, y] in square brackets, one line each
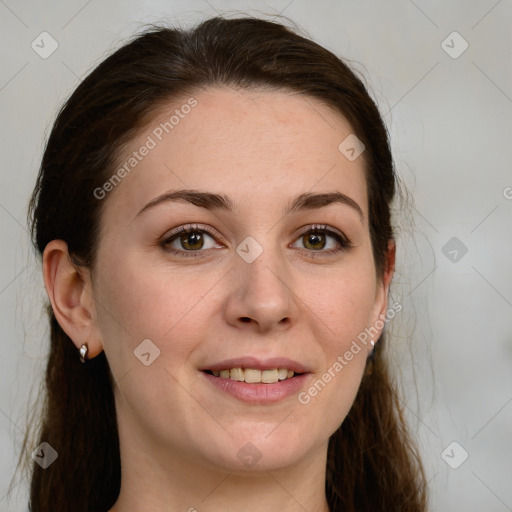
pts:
[179, 435]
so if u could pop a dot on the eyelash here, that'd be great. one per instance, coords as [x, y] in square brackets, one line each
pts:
[342, 240]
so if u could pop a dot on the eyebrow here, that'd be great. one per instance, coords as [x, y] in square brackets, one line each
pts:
[212, 201]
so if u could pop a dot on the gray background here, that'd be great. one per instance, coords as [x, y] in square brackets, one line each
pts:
[450, 121]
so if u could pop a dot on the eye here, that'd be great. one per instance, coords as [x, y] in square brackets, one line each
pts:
[314, 239]
[190, 240]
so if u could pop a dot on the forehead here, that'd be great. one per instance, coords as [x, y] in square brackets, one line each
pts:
[246, 144]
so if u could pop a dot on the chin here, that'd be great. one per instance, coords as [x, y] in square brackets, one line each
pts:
[248, 455]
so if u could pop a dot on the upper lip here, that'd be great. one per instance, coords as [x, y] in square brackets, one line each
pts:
[258, 364]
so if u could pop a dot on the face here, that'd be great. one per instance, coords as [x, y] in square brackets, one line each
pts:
[251, 283]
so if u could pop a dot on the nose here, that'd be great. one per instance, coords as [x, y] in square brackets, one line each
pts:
[261, 295]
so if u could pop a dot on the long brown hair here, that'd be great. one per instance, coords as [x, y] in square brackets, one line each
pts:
[373, 463]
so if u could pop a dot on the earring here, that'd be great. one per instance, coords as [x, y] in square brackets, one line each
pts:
[372, 353]
[83, 353]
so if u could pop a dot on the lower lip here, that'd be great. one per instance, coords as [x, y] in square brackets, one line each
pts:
[259, 393]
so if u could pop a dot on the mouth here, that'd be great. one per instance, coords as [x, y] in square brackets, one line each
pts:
[254, 376]
[257, 381]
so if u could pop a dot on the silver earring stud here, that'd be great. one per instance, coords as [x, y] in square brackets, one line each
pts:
[83, 353]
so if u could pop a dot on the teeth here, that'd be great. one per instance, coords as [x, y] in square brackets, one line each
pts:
[269, 376]
[253, 376]
[237, 374]
[282, 373]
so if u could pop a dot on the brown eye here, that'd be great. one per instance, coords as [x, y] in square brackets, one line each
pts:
[189, 241]
[314, 240]
[319, 237]
[192, 240]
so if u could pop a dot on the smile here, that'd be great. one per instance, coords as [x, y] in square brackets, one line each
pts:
[254, 376]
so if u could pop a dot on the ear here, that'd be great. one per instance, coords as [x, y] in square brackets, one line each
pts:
[382, 292]
[70, 292]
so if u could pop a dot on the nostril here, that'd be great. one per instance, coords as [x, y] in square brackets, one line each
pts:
[245, 319]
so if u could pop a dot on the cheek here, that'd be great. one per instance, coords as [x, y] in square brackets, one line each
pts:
[334, 388]
[344, 305]
[342, 314]
[149, 302]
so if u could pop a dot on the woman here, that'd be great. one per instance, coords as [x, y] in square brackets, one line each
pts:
[213, 216]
